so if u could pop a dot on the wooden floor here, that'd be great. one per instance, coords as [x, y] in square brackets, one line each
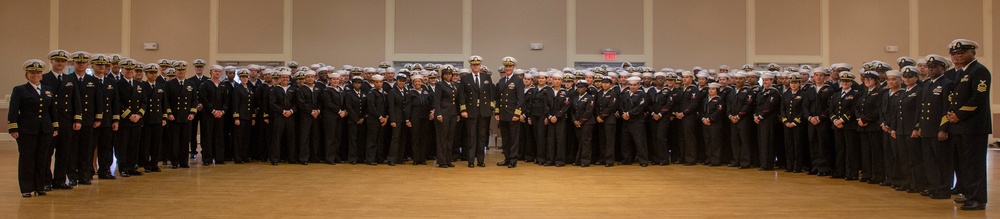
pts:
[260, 190]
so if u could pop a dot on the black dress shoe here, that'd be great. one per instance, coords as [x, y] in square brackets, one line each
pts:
[124, 174]
[885, 183]
[471, 165]
[599, 163]
[731, 165]
[549, 164]
[62, 186]
[940, 196]
[106, 176]
[851, 178]
[391, 164]
[609, 165]
[925, 193]
[72, 183]
[134, 173]
[47, 188]
[372, 164]
[973, 205]
[353, 162]
[26, 195]
[961, 200]
[443, 166]
[220, 162]
[173, 167]
[823, 174]
[560, 165]
[40, 193]
[912, 191]
[274, 163]
[512, 165]
[644, 164]
[481, 164]
[238, 162]
[185, 166]
[688, 164]
[85, 182]
[304, 163]
[450, 165]
[502, 163]
[585, 165]
[331, 163]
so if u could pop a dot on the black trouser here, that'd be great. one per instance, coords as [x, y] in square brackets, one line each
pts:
[126, 147]
[766, 141]
[794, 140]
[891, 156]
[355, 142]
[584, 156]
[66, 146]
[740, 143]
[241, 137]
[192, 141]
[420, 139]
[848, 152]
[374, 140]
[939, 165]
[257, 140]
[819, 144]
[32, 160]
[541, 139]
[607, 135]
[675, 141]
[871, 156]
[691, 132]
[213, 146]
[283, 129]
[909, 166]
[527, 142]
[58, 148]
[332, 129]
[107, 150]
[151, 145]
[556, 146]
[397, 144]
[84, 152]
[227, 138]
[510, 131]
[658, 150]
[971, 149]
[713, 146]
[635, 137]
[478, 134]
[309, 139]
[445, 139]
[179, 141]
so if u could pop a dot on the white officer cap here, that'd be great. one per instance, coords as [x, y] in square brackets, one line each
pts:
[659, 74]
[215, 67]
[647, 75]
[687, 73]
[959, 45]
[741, 74]
[894, 73]
[723, 75]
[701, 75]
[612, 74]
[767, 75]
[714, 85]
[33, 65]
[377, 77]
[518, 71]
[634, 80]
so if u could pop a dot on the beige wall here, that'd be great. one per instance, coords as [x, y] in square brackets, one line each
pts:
[428, 27]
[338, 32]
[609, 24]
[680, 33]
[178, 27]
[788, 27]
[892, 29]
[507, 27]
[251, 26]
[90, 25]
[710, 42]
[29, 21]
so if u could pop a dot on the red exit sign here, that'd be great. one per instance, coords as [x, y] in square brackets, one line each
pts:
[610, 56]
